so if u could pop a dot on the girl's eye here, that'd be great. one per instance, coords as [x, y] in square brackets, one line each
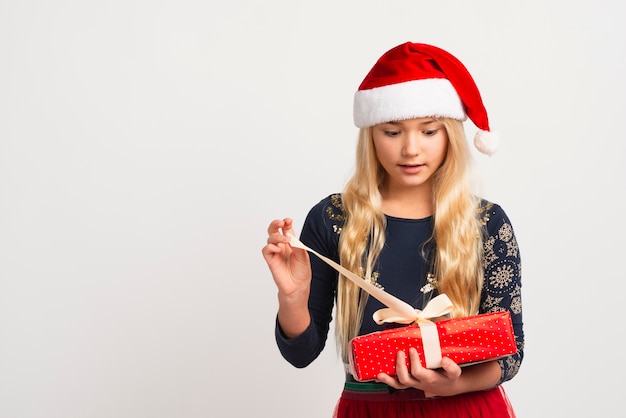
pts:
[430, 132]
[392, 133]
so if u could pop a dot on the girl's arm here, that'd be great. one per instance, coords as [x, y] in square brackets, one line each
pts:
[291, 271]
[305, 313]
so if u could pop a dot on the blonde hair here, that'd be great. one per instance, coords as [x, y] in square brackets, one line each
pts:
[456, 231]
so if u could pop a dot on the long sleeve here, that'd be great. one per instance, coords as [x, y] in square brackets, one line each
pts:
[320, 232]
[502, 287]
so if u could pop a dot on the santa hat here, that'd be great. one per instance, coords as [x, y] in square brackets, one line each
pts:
[418, 80]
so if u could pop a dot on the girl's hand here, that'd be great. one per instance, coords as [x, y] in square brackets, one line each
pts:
[290, 267]
[440, 382]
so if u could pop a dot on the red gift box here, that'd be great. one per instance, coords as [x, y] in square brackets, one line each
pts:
[466, 340]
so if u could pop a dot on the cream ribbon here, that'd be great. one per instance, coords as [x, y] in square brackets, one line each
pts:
[398, 311]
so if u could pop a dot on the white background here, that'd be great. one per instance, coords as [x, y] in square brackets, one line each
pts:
[145, 146]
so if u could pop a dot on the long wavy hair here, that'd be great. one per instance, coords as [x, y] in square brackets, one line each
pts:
[456, 232]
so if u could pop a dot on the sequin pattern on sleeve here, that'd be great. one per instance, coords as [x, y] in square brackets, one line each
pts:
[502, 279]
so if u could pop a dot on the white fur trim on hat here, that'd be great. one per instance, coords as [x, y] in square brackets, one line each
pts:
[411, 99]
[487, 142]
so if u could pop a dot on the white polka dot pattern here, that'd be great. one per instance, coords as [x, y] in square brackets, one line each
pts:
[465, 340]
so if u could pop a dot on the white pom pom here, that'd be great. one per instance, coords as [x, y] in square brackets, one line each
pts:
[486, 142]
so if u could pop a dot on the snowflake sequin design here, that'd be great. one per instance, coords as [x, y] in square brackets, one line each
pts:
[512, 248]
[512, 365]
[516, 305]
[506, 232]
[517, 291]
[492, 304]
[502, 277]
[373, 280]
[430, 285]
[489, 254]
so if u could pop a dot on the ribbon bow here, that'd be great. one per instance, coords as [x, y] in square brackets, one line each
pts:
[397, 310]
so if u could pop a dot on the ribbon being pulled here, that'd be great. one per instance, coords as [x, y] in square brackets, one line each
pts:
[398, 311]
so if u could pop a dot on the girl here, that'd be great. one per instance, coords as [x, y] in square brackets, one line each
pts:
[409, 221]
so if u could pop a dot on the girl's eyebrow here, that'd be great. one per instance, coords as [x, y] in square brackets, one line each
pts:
[400, 123]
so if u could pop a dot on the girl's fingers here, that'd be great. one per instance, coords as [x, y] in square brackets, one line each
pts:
[416, 363]
[452, 369]
[402, 372]
[287, 226]
[280, 227]
[275, 226]
[274, 235]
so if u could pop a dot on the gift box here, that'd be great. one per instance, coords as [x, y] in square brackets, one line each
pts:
[466, 340]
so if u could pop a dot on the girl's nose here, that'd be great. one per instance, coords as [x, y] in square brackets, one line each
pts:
[411, 144]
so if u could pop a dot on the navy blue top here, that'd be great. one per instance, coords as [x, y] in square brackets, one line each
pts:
[402, 270]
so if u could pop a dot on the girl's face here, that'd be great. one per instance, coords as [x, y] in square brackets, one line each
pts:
[410, 151]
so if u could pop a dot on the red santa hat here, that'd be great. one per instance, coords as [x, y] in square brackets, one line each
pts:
[418, 80]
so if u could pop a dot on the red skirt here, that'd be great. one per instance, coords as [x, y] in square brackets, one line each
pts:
[374, 400]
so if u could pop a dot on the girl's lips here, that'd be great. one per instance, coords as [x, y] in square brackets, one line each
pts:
[411, 169]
